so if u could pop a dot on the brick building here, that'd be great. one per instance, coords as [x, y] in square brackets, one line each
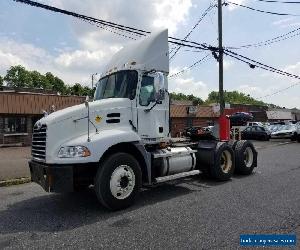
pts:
[21, 108]
[183, 115]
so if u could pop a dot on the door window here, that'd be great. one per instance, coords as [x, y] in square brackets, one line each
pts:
[147, 91]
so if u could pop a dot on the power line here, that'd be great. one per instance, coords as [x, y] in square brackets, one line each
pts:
[193, 28]
[262, 11]
[173, 40]
[253, 63]
[270, 41]
[279, 91]
[190, 67]
[122, 28]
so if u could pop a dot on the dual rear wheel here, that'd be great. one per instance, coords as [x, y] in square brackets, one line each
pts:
[223, 159]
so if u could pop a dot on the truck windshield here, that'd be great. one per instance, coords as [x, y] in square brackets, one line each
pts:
[121, 84]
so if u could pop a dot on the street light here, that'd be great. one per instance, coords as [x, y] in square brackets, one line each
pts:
[93, 79]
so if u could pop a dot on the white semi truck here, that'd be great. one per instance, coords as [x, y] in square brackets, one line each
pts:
[121, 141]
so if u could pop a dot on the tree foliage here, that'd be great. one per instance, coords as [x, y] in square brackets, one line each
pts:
[183, 97]
[19, 77]
[233, 97]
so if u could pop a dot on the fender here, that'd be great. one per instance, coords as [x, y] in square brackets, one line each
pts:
[98, 144]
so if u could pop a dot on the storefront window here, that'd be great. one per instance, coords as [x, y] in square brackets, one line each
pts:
[15, 125]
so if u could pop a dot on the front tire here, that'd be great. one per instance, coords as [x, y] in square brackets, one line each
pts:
[118, 181]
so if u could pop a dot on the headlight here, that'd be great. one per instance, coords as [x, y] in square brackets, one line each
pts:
[73, 151]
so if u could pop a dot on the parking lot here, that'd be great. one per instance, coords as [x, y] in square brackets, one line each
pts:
[197, 213]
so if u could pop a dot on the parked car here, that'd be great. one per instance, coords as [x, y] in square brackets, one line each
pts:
[255, 124]
[256, 133]
[197, 132]
[286, 131]
[240, 118]
[274, 127]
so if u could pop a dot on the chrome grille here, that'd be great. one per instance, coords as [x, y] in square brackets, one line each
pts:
[38, 148]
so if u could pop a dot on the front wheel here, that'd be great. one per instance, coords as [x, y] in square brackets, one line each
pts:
[118, 181]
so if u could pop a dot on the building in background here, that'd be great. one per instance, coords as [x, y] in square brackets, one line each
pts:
[183, 114]
[276, 115]
[21, 108]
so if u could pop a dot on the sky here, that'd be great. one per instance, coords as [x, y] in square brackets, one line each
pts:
[74, 50]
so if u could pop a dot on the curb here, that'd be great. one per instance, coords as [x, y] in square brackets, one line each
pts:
[18, 181]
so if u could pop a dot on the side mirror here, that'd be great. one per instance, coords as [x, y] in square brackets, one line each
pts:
[86, 102]
[159, 86]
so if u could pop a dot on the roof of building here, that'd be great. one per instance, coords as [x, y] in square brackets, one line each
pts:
[34, 103]
[279, 114]
[200, 111]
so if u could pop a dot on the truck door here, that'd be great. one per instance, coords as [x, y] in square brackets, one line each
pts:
[153, 114]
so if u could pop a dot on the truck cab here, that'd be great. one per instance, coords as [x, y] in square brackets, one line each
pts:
[120, 140]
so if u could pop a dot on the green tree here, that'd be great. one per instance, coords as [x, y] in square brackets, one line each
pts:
[77, 89]
[233, 97]
[38, 80]
[18, 76]
[1, 81]
[183, 97]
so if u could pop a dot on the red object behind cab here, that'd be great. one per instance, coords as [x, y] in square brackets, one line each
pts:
[224, 128]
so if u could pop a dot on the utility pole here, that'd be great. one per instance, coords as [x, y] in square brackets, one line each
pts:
[220, 31]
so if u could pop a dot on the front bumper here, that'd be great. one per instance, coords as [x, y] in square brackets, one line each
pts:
[52, 178]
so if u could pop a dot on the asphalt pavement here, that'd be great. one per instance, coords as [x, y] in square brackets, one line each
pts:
[14, 162]
[197, 213]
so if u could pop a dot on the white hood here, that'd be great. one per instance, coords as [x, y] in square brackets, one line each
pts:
[149, 53]
[78, 111]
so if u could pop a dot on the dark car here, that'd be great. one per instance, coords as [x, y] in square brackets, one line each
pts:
[198, 133]
[256, 133]
[240, 118]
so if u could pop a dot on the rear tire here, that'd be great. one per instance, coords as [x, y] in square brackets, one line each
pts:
[118, 181]
[245, 157]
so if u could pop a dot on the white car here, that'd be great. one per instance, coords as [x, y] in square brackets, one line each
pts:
[286, 131]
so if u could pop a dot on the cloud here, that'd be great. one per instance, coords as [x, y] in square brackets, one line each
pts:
[142, 14]
[187, 84]
[227, 64]
[286, 22]
[95, 46]
[252, 90]
[293, 68]
[68, 66]
[81, 59]
[171, 13]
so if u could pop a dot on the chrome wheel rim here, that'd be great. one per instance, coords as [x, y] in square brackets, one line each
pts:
[248, 157]
[226, 161]
[122, 182]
